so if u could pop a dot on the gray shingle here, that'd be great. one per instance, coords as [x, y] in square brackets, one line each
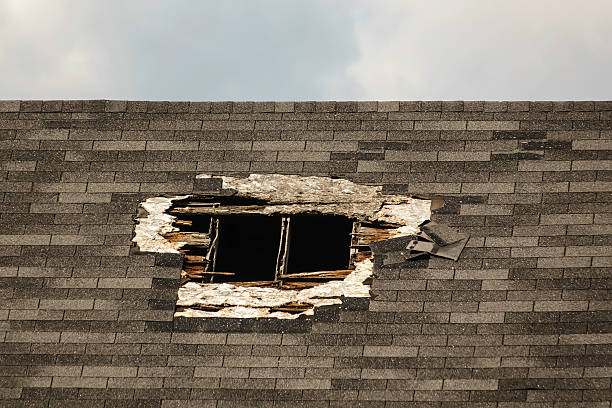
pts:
[524, 307]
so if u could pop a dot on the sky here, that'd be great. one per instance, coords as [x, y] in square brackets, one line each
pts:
[295, 50]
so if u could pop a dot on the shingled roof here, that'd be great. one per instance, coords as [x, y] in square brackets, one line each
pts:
[522, 319]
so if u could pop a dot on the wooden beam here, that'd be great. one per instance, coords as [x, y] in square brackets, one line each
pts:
[292, 307]
[319, 275]
[353, 249]
[211, 255]
[283, 248]
[193, 238]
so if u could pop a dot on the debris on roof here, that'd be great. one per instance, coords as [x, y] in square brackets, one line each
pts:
[438, 240]
[432, 239]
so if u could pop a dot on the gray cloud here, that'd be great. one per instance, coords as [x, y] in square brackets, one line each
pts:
[296, 50]
[173, 50]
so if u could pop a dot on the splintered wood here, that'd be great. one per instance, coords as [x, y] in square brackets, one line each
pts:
[176, 225]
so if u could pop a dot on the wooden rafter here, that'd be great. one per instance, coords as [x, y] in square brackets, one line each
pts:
[283, 248]
[211, 255]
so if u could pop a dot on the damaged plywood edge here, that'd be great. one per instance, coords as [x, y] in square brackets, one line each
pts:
[375, 217]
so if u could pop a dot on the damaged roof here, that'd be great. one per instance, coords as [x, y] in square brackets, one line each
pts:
[378, 217]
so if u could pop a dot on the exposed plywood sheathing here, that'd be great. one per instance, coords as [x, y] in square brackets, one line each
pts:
[376, 216]
[151, 228]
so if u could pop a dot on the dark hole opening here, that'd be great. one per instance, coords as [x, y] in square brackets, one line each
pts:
[199, 223]
[319, 243]
[248, 246]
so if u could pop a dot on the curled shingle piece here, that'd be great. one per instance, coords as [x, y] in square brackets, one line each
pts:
[437, 239]
[432, 239]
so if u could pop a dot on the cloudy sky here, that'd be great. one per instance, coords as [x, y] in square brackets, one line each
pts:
[306, 50]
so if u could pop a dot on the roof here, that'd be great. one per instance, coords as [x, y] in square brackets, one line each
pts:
[522, 317]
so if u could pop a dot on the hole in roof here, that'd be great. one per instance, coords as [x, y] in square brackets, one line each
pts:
[247, 248]
[274, 245]
[319, 243]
